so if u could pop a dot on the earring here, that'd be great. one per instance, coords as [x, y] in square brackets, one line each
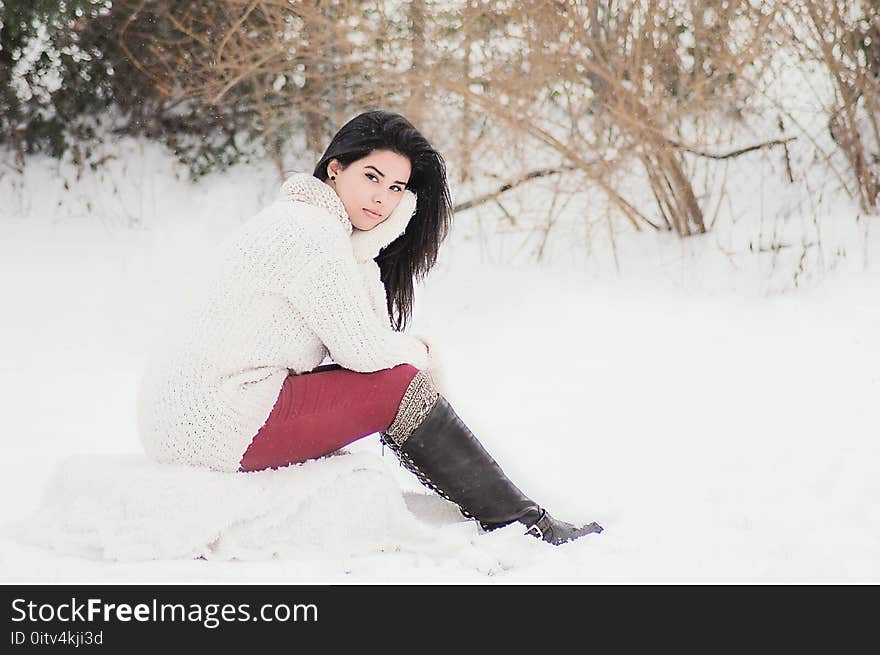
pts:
[332, 177]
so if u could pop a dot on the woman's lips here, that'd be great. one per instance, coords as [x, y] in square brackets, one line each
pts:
[372, 214]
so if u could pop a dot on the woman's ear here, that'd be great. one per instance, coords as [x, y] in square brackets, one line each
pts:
[333, 168]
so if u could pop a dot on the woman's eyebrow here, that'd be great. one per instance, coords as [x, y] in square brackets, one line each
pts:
[381, 174]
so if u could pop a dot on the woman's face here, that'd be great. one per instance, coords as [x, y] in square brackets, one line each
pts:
[371, 187]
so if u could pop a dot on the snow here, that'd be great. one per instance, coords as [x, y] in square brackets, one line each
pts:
[718, 420]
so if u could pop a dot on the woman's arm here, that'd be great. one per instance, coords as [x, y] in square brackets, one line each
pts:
[371, 278]
[330, 296]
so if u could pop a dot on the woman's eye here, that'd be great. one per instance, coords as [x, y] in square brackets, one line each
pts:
[396, 188]
[372, 177]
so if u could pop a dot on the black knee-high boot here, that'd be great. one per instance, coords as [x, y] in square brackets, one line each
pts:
[435, 444]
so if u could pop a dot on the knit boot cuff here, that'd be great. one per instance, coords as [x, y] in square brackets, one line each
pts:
[417, 402]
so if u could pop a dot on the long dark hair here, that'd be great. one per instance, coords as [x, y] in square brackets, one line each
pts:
[409, 257]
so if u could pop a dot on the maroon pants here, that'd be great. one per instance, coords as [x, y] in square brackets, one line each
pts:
[322, 411]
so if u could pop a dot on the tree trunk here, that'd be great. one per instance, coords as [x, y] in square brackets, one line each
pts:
[415, 105]
[314, 88]
[464, 142]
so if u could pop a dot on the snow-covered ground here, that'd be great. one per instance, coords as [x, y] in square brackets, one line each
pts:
[720, 422]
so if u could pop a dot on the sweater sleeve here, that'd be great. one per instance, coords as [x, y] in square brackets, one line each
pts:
[331, 297]
[371, 278]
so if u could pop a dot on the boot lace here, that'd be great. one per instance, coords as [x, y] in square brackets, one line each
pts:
[407, 462]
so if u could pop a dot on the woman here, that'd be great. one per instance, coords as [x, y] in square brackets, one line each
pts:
[328, 269]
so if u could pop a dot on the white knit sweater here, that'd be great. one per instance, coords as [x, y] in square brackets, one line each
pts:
[280, 292]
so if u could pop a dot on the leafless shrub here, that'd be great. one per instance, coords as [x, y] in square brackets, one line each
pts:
[606, 83]
[843, 36]
[303, 63]
[599, 85]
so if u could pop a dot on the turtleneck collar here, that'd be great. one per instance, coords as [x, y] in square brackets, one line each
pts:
[303, 187]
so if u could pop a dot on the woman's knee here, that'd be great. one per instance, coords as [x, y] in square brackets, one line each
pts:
[405, 371]
[415, 404]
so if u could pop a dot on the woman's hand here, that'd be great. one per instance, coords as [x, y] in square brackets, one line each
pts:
[366, 244]
[435, 370]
